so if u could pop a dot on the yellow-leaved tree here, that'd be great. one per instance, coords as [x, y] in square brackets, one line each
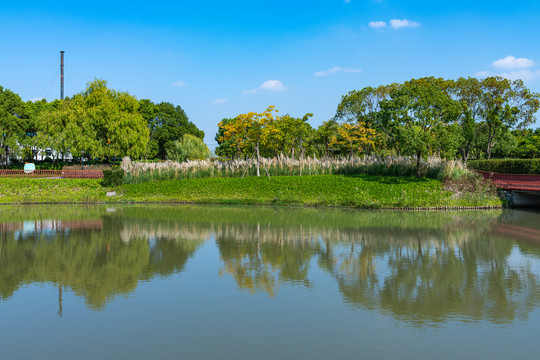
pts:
[355, 137]
[251, 130]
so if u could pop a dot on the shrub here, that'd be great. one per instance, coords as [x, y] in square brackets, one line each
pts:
[507, 166]
[113, 177]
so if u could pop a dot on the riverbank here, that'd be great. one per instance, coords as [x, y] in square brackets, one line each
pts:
[358, 191]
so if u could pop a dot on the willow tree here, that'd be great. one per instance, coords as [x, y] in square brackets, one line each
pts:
[102, 122]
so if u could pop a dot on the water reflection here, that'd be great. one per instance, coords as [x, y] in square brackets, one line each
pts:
[421, 268]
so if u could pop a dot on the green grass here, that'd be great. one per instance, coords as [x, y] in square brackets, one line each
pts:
[358, 191]
[20, 191]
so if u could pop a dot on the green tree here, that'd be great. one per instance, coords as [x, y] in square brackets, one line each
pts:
[226, 148]
[167, 123]
[102, 122]
[468, 92]
[11, 123]
[324, 135]
[416, 114]
[251, 130]
[506, 104]
[189, 148]
[528, 144]
[291, 136]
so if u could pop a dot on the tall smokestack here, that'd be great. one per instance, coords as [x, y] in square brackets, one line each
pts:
[62, 75]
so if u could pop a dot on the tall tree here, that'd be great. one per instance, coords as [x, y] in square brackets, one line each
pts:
[226, 147]
[11, 122]
[506, 104]
[167, 123]
[291, 135]
[324, 135]
[103, 123]
[416, 113]
[251, 129]
[355, 137]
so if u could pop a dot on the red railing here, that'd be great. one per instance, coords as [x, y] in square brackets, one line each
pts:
[52, 174]
[513, 181]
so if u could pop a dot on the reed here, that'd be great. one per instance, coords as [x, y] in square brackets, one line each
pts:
[433, 167]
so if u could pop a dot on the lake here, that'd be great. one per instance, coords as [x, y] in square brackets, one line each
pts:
[239, 282]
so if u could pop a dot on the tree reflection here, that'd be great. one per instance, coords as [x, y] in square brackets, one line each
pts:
[422, 268]
[260, 260]
[95, 264]
[423, 276]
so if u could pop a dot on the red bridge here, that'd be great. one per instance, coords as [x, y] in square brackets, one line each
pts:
[513, 182]
[522, 191]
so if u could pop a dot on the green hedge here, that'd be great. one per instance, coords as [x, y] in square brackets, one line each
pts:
[113, 177]
[507, 166]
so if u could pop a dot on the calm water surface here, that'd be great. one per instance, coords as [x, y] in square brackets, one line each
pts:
[206, 282]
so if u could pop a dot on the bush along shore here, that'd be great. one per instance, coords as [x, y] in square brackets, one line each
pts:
[345, 184]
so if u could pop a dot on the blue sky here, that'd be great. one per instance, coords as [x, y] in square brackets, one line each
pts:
[218, 59]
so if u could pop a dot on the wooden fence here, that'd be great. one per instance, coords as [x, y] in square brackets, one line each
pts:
[52, 174]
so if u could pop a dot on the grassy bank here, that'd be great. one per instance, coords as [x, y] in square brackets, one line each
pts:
[359, 191]
[13, 191]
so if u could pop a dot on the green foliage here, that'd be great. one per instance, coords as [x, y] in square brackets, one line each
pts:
[101, 122]
[167, 123]
[420, 115]
[225, 148]
[12, 120]
[189, 148]
[113, 177]
[507, 166]
[528, 144]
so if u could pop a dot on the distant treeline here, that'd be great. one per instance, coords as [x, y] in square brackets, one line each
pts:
[463, 118]
[99, 123]
[468, 117]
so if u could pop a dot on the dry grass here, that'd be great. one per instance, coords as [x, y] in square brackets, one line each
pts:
[432, 167]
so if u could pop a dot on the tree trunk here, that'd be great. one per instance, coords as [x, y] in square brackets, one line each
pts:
[490, 143]
[465, 152]
[418, 154]
[258, 158]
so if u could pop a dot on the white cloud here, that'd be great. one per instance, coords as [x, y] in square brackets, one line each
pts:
[483, 74]
[219, 101]
[517, 68]
[269, 85]
[35, 99]
[377, 24]
[274, 85]
[510, 62]
[394, 24]
[398, 24]
[179, 83]
[523, 74]
[336, 69]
